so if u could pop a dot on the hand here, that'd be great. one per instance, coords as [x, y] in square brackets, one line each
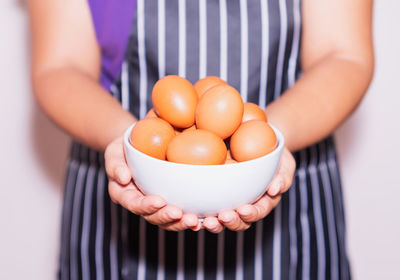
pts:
[245, 215]
[153, 208]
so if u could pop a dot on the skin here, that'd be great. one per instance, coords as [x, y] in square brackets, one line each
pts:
[337, 62]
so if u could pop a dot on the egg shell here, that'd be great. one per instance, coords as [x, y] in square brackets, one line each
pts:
[151, 114]
[197, 147]
[220, 110]
[180, 130]
[174, 100]
[230, 161]
[253, 139]
[202, 85]
[229, 155]
[253, 112]
[152, 136]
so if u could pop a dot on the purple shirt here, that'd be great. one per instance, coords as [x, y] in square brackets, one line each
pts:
[112, 21]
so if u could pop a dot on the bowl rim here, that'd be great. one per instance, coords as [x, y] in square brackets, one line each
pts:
[279, 147]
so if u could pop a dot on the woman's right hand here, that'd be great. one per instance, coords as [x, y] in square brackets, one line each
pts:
[152, 208]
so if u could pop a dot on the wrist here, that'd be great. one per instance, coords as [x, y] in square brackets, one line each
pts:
[280, 120]
[118, 128]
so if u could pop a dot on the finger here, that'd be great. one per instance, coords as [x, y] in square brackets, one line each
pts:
[165, 215]
[132, 199]
[231, 220]
[213, 225]
[266, 204]
[115, 162]
[249, 213]
[283, 178]
[198, 227]
[188, 221]
[288, 170]
[259, 210]
[276, 185]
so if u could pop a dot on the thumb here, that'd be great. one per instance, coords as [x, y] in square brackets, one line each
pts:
[284, 175]
[116, 166]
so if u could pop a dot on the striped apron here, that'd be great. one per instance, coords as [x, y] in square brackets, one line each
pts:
[254, 46]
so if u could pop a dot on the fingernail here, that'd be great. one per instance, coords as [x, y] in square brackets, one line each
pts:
[275, 189]
[197, 227]
[226, 218]
[212, 225]
[189, 223]
[173, 214]
[121, 174]
[158, 203]
[245, 211]
[213, 228]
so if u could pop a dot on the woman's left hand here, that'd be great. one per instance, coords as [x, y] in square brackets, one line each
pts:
[245, 215]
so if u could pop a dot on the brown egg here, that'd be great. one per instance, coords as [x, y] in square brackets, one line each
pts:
[202, 85]
[229, 154]
[197, 147]
[229, 158]
[174, 100]
[180, 130]
[151, 114]
[230, 161]
[253, 139]
[152, 136]
[220, 111]
[253, 112]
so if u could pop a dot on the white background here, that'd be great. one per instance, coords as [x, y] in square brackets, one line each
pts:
[33, 154]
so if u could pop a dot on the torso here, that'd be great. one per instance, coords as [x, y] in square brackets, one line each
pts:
[255, 47]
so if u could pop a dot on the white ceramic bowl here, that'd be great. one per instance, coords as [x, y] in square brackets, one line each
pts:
[203, 189]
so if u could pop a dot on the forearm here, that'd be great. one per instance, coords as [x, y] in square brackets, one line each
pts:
[79, 105]
[320, 100]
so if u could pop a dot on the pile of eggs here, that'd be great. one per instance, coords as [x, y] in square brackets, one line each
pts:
[206, 124]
